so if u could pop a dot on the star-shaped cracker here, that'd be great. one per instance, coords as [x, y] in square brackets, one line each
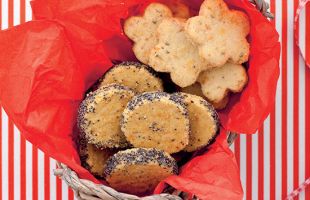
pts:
[217, 82]
[176, 54]
[142, 29]
[220, 33]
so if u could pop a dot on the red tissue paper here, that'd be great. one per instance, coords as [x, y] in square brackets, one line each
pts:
[47, 65]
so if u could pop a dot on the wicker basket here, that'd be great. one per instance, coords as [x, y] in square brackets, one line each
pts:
[87, 190]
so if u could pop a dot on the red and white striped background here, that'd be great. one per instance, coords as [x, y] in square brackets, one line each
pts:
[272, 162]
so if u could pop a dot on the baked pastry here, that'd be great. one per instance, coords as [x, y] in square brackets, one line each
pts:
[156, 120]
[135, 75]
[220, 33]
[179, 10]
[176, 54]
[204, 122]
[142, 29]
[139, 170]
[216, 83]
[195, 89]
[93, 158]
[100, 113]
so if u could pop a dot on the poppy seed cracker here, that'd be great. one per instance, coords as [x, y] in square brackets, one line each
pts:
[93, 158]
[195, 89]
[137, 76]
[204, 122]
[139, 170]
[100, 113]
[156, 120]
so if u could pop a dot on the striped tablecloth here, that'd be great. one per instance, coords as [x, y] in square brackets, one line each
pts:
[272, 162]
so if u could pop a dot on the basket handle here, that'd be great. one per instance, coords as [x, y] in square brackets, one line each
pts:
[231, 138]
[263, 7]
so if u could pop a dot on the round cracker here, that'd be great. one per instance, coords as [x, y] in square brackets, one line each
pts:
[93, 158]
[139, 170]
[135, 75]
[204, 122]
[221, 104]
[195, 89]
[100, 113]
[156, 120]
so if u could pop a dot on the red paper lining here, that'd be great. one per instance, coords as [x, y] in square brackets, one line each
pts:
[47, 65]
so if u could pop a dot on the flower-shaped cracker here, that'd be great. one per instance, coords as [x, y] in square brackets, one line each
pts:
[176, 54]
[217, 82]
[142, 29]
[220, 33]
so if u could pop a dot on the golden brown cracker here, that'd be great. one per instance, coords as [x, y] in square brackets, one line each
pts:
[142, 29]
[195, 89]
[156, 120]
[204, 122]
[100, 113]
[93, 158]
[176, 54]
[179, 9]
[220, 33]
[137, 76]
[139, 170]
[221, 104]
[217, 82]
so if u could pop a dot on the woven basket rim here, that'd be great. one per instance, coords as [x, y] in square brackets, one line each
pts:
[87, 190]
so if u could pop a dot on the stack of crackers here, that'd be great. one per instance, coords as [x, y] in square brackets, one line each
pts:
[202, 53]
[132, 126]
